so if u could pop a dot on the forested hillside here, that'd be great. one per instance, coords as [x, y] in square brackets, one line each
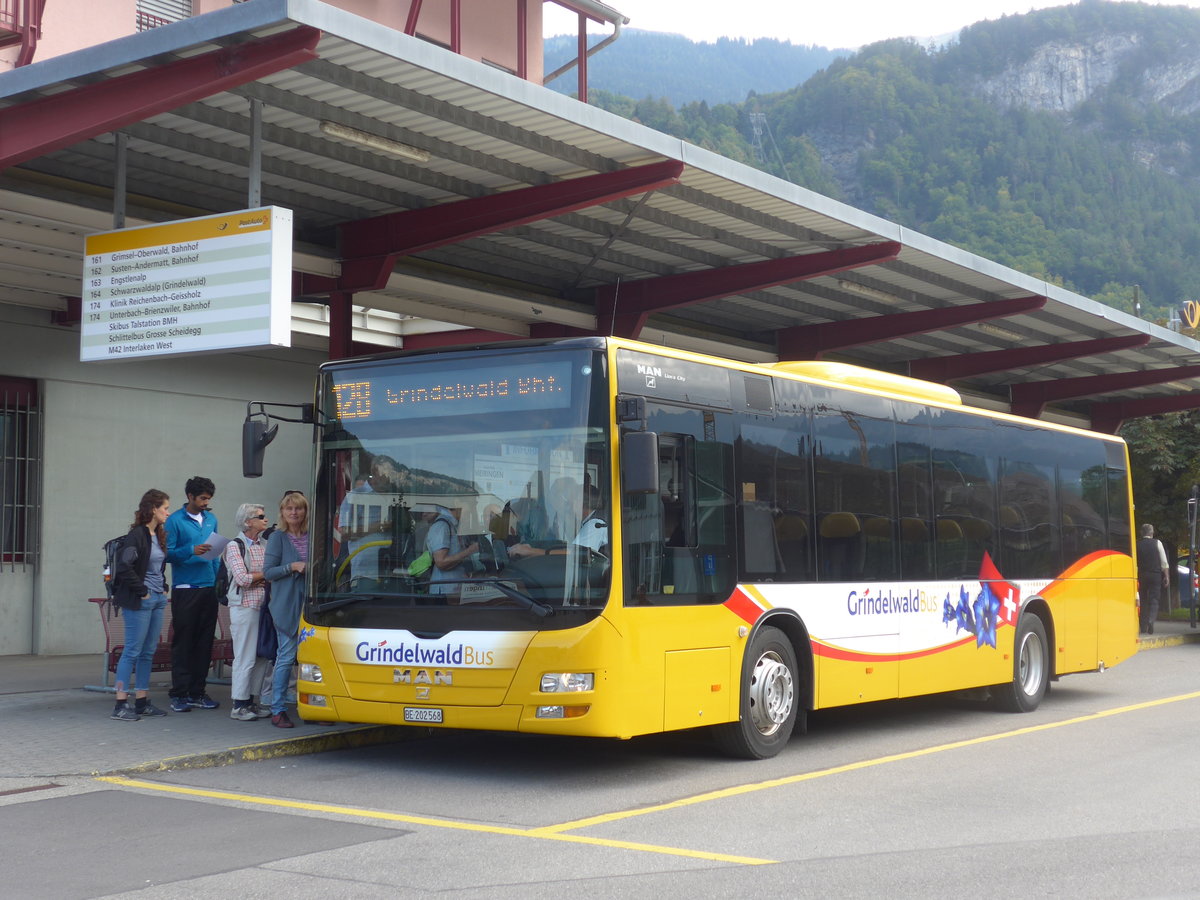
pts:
[1062, 142]
[671, 67]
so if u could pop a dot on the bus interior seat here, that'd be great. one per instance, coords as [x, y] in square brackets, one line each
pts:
[948, 530]
[975, 529]
[916, 548]
[879, 549]
[759, 546]
[951, 549]
[840, 525]
[913, 530]
[1012, 531]
[841, 546]
[791, 537]
[1009, 517]
[878, 528]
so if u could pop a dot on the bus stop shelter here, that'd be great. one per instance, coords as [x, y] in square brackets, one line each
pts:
[438, 201]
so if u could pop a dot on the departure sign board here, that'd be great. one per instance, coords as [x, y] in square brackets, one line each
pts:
[416, 391]
[198, 285]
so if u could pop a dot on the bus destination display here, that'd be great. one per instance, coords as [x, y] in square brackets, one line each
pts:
[422, 393]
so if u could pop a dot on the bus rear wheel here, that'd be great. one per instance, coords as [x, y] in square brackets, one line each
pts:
[769, 704]
[1031, 668]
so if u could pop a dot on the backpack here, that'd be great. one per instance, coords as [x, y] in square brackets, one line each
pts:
[224, 579]
[112, 549]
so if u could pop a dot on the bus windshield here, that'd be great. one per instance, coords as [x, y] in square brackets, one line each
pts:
[463, 491]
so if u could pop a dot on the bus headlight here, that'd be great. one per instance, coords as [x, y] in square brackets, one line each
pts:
[314, 699]
[559, 682]
[560, 712]
[310, 672]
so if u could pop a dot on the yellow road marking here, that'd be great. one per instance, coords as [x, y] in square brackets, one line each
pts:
[557, 832]
[740, 790]
[433, 823]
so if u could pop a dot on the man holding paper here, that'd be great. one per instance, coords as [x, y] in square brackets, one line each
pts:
[192, 551]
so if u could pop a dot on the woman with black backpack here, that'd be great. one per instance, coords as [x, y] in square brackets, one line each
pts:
[139, 589]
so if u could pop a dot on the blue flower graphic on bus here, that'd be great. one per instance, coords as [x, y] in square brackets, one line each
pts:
[986, 607]
[961, 614]
[996, 604]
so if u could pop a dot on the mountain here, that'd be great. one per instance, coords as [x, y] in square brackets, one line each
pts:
[1064, 143]
[674, 68]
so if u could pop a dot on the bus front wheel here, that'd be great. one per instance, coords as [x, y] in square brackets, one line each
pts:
[769, 699]
[1031, 668]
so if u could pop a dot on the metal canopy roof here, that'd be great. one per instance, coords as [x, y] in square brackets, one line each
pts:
[488, 133]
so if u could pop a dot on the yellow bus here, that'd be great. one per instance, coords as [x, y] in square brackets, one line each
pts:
[599, 537]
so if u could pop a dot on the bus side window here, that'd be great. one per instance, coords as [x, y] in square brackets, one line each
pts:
[855, 466]
[774, 506]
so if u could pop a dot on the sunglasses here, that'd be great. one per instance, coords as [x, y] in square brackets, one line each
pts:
[257, 517]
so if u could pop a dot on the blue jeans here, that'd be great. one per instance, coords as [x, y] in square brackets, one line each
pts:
[285, 658]
[142, 628]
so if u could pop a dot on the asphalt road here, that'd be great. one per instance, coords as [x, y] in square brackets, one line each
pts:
[1091, 796]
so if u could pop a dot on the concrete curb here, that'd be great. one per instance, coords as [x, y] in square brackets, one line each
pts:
[1154, 641]
[373, 735]
[366, 736]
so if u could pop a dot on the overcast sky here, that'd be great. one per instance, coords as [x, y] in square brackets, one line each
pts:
[837, 24]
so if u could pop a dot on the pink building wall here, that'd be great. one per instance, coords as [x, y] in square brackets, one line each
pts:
[488, 27]
[73, 26]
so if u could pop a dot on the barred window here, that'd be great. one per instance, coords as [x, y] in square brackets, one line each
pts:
[154, 13]
[20, 472]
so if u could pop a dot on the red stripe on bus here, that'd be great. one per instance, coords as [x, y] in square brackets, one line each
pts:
[1086, 561]
[828, 651]
[743, 607]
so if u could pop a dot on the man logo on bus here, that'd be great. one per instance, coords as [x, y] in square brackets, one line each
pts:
[406, 676]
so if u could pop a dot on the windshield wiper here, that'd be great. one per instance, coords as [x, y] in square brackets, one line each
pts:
[537, 607]
[340, 600]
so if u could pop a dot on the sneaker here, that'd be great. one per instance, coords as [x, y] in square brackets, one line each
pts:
[123, 712]
[243, 714]
[202, 702]
[150, 711]
[281, 720]
[180, 704]
[260, 711]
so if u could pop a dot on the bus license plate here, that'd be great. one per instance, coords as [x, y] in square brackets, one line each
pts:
[421, 714]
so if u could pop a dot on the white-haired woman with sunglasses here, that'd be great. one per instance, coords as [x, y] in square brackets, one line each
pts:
[247, 594]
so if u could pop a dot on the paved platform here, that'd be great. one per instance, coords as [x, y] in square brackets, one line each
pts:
[52, 726]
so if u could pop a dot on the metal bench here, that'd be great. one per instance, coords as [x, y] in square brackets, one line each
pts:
[114, 643]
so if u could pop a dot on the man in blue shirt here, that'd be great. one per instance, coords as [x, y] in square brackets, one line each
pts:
[193, 596]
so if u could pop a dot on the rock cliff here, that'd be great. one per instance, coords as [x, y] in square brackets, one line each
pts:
[1061, 75]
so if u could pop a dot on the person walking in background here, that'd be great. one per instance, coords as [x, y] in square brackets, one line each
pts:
[194, 598]
[284, 564]
[139, 589]
[247, 593]
[1153, 577]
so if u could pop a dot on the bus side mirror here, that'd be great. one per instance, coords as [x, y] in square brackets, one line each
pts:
[255, 437]
[639, 462]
